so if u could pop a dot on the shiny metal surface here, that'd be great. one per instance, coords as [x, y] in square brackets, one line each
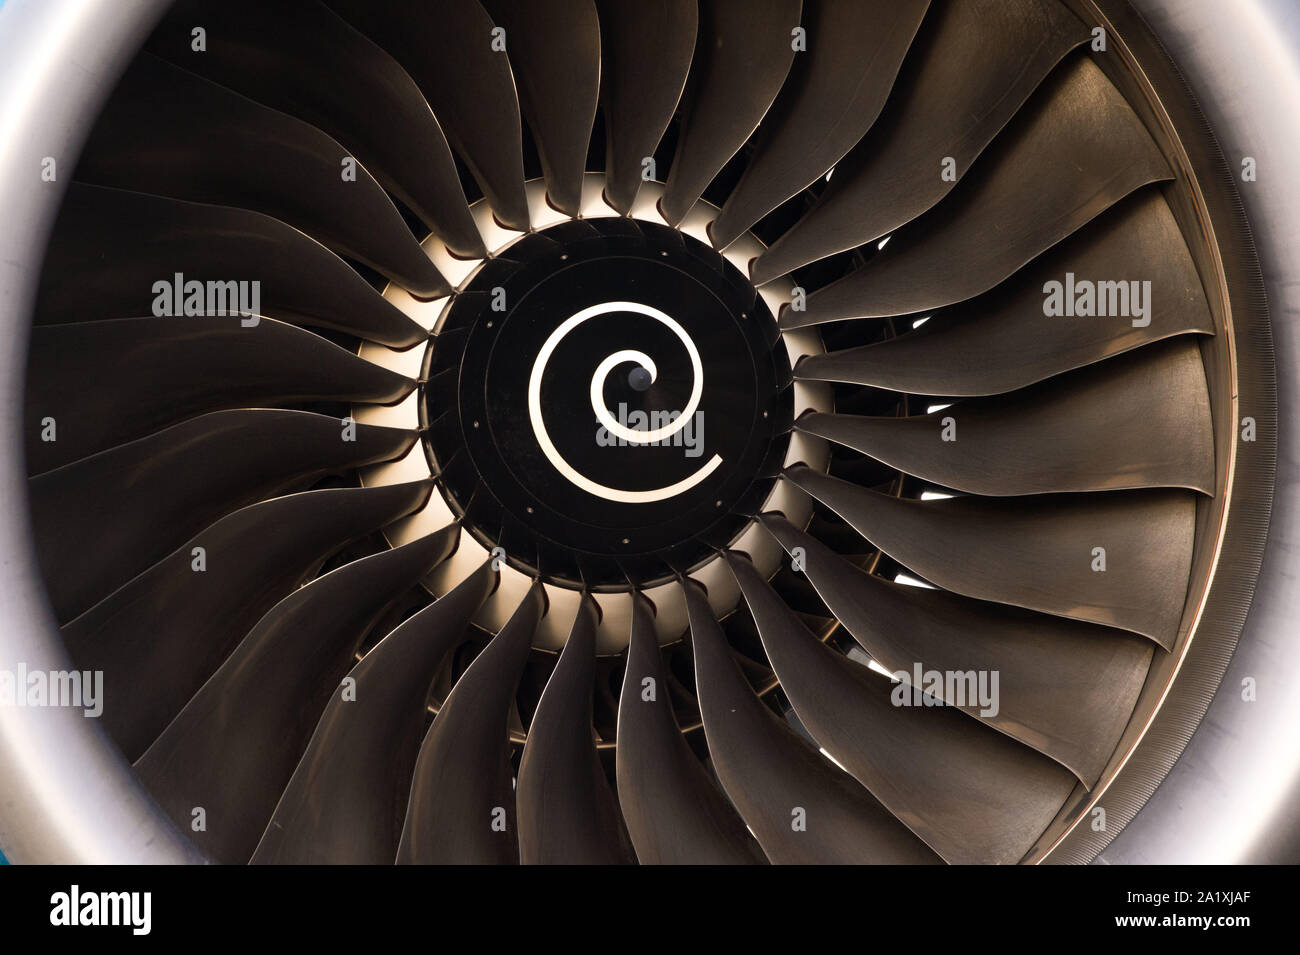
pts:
[997, 343]
[974, 65]
[151, 373]
[467, 84]
[554, 48]
[1038, 552]
[772, 775]
[646, 51]
[1066, 688]
[233, 748]
[828, 102]
[345, 804]
[334, 78]
[170, 628]
[744, 53]
[568, 814]
[1205, 512]
[234, 458]
[973, 795]
[119, 243]
[222, 148]
[67, 795]
[1077, 432]
[1183, 684]
[615, 608]
[462, 807]
[1234, 796]
[1077, 138]
[675, 814]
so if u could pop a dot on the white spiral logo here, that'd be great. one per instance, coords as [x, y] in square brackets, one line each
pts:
[603, 413]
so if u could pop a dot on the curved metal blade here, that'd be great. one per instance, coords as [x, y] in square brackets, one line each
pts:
[462, 804]
[673, 810]
[120, 243]
[233, 749]
[646, 51]
[449, 49]
[567, 811]
[1065, 688]
[216, 146]
[802, 810]
[149, 496]
[1103, 428]
[334, 78]
[1039, 553]
[555, 54]
[1002, 341]
[152, 372]
[974, 64]
[347, 798]
[171, 627]
[973, 795]
[745, 52]
[836, 90]
[1081, 145]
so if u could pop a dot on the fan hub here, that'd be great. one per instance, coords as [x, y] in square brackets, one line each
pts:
[617, 389]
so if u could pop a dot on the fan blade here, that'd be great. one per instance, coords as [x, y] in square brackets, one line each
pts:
[1104, 428]
[835, 92]
[347, 798]
[1002, 341]
[745, 52]
[171, 627]
[774, 777]
[119, 243]
[450, 51]
[152, 372]
[233, 749]
[1081, 145]
[462, 807]
[149, 496]
[674, 812]
[647, 50]
[973, 65]
[555, 54]
[1038, 553]
[1065, 688]
[567, 811]
[973, 795]
[216, 146]
[334, 78]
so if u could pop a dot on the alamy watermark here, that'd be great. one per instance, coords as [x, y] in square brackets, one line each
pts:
[1084, 298]
[689, 436]
[192, 298]
[133, 910]
[83, 689]
[969, 689]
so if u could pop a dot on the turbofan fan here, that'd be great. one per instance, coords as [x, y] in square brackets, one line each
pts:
[563, 431]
